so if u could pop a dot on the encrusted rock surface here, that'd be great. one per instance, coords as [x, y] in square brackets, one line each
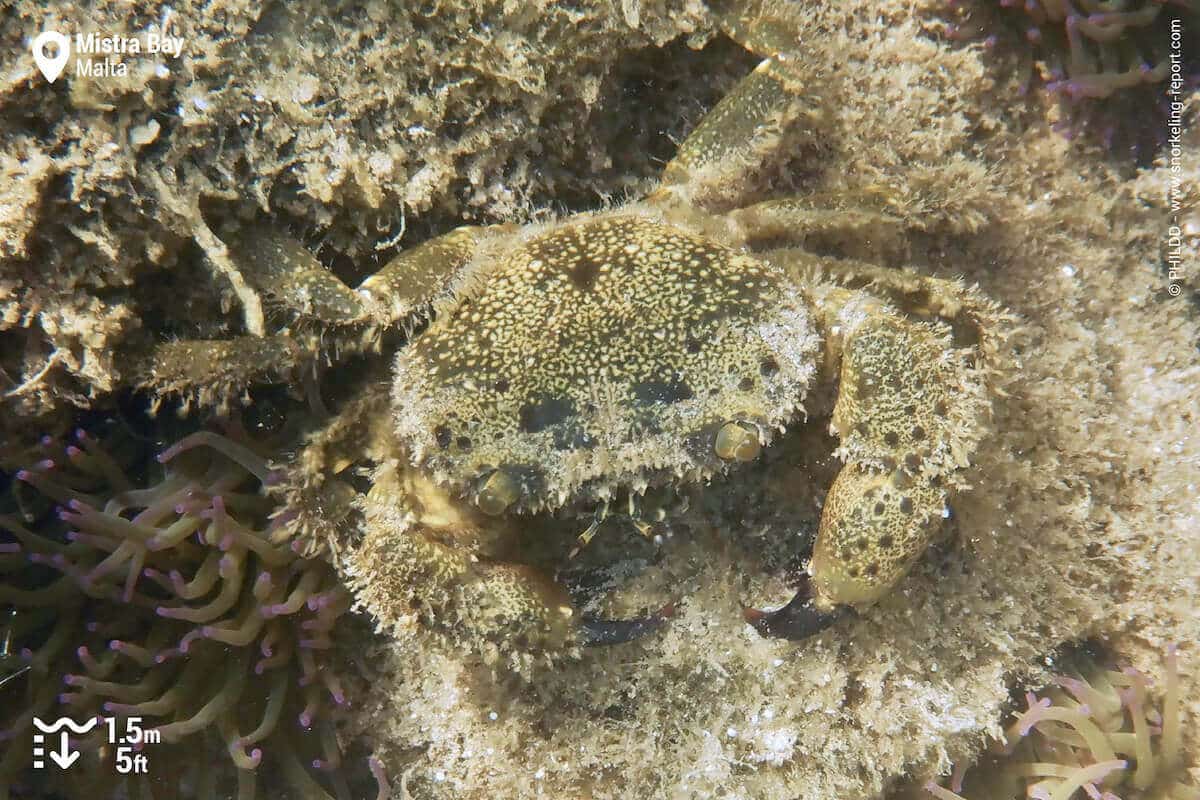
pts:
[351, 124]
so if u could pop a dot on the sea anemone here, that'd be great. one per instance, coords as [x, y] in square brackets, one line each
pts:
[1090, 733]
[164, 590]
[1108, 62]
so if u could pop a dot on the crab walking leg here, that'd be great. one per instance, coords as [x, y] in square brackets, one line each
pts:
[413, 283]
[765, 28]
[402, 291]
[218, 367]
[858, 231]
[715, 162]
[279, 268]
[325, 314]
[908, 414]
[975, 320]
[285, 271]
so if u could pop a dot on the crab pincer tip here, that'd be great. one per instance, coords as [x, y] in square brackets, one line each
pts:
[752, 615]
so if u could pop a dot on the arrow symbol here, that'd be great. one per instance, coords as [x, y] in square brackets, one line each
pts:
[64, 756]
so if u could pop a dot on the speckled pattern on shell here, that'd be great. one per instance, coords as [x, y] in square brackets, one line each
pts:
[603, 354]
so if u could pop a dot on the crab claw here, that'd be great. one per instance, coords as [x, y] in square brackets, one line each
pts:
[600, 632]
[799, 619]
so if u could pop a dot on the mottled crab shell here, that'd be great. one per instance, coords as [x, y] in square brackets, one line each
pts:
[600, 355]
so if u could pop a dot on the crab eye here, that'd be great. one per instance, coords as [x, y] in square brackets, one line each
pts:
[738, 441]
[496, 492]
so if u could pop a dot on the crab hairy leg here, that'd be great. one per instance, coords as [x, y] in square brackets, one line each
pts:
[280, 267]
[326, 317]
[909, 412]
[401, 292]
[859, 232]
[411, 284]
[765, 28]
[732, 141]
[213, 371]
[974, 319]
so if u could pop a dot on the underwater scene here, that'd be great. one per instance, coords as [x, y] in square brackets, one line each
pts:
[600, 400]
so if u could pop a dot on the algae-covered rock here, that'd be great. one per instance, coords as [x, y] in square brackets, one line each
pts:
[365, 126]
[347, 121]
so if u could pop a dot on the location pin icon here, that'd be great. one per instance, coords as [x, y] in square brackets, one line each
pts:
[51, 66]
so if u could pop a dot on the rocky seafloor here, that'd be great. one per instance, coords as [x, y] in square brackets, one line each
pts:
[365, 128]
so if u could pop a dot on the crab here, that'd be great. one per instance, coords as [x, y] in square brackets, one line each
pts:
[561, 371]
